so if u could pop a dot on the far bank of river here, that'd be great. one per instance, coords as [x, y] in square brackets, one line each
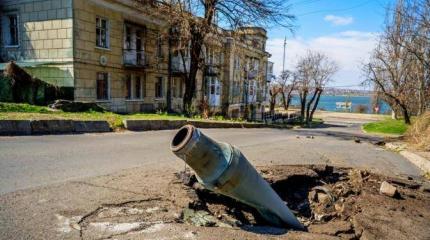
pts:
[328, 103]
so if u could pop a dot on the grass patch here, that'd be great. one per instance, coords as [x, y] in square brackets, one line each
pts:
[22, 111]
[22, 107]
[386, 126]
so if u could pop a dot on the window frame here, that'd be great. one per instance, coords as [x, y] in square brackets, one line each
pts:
[128, 87]
[159, 86]
[107, 32]
[159, 46]
[138, 87]
[107, 79]
[132, 87]
[7, 15]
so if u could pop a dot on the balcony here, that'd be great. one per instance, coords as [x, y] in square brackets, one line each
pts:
[252, 74]
[212, 70]
[135, 58]
[178, 64]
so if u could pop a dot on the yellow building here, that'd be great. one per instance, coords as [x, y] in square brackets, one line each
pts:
[116, 54]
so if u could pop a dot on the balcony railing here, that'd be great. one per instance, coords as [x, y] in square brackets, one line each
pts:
[252, 74]
[212, 69]
[178, 64]
[135, 58]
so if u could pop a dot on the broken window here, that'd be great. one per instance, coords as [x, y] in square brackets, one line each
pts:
[102, 33]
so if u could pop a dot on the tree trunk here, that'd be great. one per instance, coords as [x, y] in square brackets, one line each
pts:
[190, 80]
[303, 96]
[308, 107]
[284, 101]
[405, 114]
[315, 105]
[272, 104]
[289, 97]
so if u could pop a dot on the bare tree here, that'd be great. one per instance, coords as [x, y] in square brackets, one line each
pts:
[274, 90]
[196, 20]
[399, 67]
[314, 71]
[287, 82]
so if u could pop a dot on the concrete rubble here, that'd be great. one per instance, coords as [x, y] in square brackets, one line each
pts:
[388, 189]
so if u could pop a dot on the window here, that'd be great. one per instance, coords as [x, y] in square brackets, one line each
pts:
[137, 87]
[102, 86]
[252, 86]
[128, 86]
[102, 33]
[159, 87]
[127, 38]
[174, 81]
[10, 30]
[212, 86]
[159, 46]
[236, 62]
[139, 48]
[177, 88]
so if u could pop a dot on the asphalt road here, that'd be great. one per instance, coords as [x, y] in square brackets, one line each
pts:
[31, 161]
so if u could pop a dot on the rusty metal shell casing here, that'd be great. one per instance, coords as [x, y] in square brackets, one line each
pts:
[222, 168]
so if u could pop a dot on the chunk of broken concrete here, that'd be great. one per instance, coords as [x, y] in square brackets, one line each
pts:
[388, 189]
[333, 228]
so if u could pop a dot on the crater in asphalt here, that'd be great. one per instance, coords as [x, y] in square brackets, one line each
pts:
[329, 201]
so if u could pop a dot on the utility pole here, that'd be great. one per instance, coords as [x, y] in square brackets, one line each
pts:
[283, 58]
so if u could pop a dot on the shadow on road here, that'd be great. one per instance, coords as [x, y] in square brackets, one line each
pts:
[340, 131]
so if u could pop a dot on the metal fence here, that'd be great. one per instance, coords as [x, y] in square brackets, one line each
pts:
[280, 117]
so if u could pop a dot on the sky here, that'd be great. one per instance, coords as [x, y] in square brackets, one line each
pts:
[345, 30]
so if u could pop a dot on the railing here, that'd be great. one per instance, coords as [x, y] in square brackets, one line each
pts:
[212, 69]
[276, 117]
[135, 58]
[178, 64]
[252, 74]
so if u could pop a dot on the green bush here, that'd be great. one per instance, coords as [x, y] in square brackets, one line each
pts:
[5, 89]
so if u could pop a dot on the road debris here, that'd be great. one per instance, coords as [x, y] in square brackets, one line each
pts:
[388, 189]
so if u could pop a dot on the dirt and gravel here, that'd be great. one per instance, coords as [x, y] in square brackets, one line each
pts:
[333, 203]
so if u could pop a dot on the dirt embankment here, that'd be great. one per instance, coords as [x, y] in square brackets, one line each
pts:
[333, 203]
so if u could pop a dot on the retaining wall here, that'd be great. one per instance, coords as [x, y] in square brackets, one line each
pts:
[37, 127]
[147, 125]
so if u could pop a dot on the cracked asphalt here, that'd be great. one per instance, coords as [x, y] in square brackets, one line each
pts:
[50, 183]
[32, 161]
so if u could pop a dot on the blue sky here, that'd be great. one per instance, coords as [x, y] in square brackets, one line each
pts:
[345, 30]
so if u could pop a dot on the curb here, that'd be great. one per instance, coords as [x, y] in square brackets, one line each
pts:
[421, 162]
[149, 125]
[417, 160]
[40, 127]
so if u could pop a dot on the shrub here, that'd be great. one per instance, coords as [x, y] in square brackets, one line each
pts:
[419, 133]
[5, 89]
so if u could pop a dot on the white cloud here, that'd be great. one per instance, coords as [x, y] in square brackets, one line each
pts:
[349, 49]
[338, 20]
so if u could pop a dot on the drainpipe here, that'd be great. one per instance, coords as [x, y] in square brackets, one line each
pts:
[222, 168]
